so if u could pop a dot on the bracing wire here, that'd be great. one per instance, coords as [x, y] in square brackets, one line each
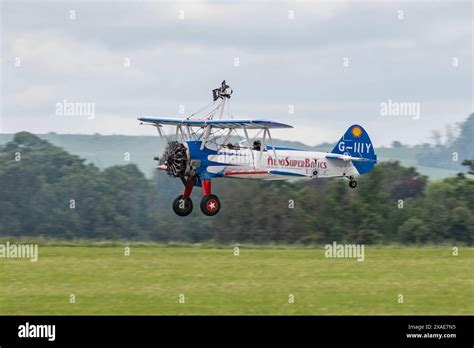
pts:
[203, 108]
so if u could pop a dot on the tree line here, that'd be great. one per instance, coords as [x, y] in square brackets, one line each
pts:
[449, 150]
[46, 191]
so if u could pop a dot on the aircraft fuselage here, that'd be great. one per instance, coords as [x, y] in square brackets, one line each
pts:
[266, 164]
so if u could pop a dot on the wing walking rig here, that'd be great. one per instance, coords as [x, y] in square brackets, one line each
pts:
[211, 143]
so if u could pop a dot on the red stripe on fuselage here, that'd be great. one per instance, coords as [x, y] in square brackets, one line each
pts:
[247, 172]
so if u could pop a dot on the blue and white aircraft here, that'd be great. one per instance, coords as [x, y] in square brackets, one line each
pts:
[209, 147]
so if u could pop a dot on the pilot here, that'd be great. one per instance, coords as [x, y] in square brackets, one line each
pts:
[256, 145]
[233, 146]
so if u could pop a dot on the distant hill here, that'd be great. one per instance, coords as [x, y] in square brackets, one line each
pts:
[108, 150]
[449, 147]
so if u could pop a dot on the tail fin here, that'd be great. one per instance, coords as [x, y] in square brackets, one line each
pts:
[356, 143]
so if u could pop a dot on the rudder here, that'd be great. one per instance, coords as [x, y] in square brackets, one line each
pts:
[356, 143]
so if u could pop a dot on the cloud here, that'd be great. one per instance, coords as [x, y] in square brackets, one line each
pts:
[282, 61]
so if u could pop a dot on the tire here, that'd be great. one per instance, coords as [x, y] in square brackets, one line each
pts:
[210, 205]
[182, 209]
[352, 184]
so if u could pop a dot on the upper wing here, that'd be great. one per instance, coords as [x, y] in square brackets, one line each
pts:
[229, 123]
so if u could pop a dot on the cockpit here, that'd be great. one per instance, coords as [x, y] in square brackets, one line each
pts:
[241, 145]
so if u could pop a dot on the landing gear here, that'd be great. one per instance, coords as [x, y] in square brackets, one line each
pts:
[182, 206]
[210, 205]
[352, 183]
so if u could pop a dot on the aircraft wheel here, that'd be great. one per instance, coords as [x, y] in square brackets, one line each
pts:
[352, 183]
[182, 206]
[210, 205]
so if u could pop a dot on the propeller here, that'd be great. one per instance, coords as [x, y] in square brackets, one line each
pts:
[175, 159]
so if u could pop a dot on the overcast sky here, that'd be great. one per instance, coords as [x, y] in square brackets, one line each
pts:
[335, 62]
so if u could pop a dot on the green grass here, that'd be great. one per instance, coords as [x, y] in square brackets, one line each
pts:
[214, 281]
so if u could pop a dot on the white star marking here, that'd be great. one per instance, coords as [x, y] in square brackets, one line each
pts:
[212, 205]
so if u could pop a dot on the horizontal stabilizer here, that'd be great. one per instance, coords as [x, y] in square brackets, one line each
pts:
[349, 158]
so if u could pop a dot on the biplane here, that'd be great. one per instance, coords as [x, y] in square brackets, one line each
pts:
[216, 145]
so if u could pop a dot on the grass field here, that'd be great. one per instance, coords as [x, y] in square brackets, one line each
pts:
[259, 281]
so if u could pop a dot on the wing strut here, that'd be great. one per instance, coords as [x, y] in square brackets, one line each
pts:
[206, 136]
[161, 132]
[259, 156]
[188, 132]
[271, 143]
[179, 130]
[247, 136]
